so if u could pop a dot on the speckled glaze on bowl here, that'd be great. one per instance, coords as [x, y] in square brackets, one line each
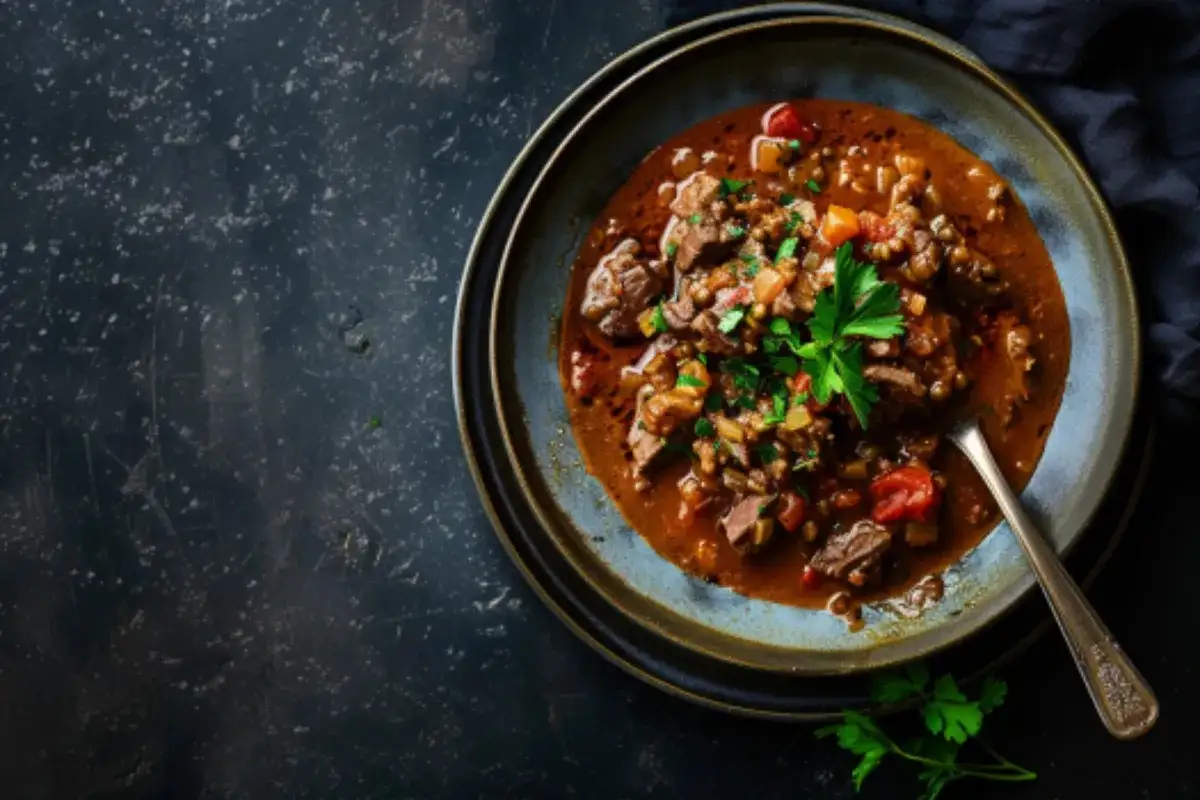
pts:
[825, 57]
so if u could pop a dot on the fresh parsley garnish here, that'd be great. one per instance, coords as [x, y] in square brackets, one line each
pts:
[858, 304]
[745, 375]
[787, 249]
[695, 218]
[752, 265]
[374, 422]
[794, 144]
[766, 453]
[691, 381]
[951, 720]
[713, 402]
[678, 448]
[704, 428]
[813, 186]
[785, 365]
[793, 222]
[658, 319]
[778, 406]
[786, 199]
[702, 358]
[736, 231]
[731, 318]
[672, 249]
[730, 186]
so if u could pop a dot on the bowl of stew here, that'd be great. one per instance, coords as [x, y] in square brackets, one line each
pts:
[745, 300]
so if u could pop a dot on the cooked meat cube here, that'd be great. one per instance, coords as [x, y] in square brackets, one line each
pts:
[711, 338]
[680, 312]
[619, 289]
[857, 550]
[899, 377]
[738, 523]
[695, 195]
[706, 241]
[644, 445]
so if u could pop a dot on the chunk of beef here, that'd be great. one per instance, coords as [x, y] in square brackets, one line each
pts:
[711, 338]
[901, 378]
[680, 312]
[619, 289]
[739, 522]
[855, 554]
[696, 194]
[644, 445]
[706, 241]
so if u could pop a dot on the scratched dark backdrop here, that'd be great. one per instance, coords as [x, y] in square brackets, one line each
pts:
[240, 554]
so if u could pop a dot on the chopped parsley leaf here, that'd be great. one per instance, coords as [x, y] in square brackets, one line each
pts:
[787, 249]
[787, 365]
[713, 402]
[672, 249]
[730, 186]
[794, 220]
[658, 319]
[779, 408]
[787, 198]
[745, 375]
[752, 268]
[702, 358]
[641, 425]
[704, 428]
[695, 218]
[736, 231]
[690, 380]
[794, 144]
[800, 399]
[731, 319]
[766, 453]
[813, 186]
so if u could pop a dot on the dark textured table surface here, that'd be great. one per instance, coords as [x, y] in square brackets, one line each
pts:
[240, 552]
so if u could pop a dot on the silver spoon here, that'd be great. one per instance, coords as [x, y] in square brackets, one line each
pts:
[1121, 695]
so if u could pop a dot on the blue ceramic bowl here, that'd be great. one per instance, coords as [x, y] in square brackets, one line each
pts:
[887, 65]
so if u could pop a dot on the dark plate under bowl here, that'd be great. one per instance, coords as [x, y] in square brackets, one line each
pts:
[671, 665]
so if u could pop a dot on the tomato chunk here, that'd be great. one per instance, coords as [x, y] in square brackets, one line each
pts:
[783, 121]
[791, 511]
[840, 224]
[811, 578]
[907, 493]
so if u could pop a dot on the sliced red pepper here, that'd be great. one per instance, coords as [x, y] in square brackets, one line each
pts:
[791, 511]
[907, 493]
[783, 122]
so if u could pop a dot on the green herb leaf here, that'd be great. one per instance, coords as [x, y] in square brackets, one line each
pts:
[786, 365]
[786, 199]
[672, 249]
[730, 186]
[713, 402]
[950, 714]
[793, 221]
[736, 231]
[993, 694]
[659, 320]
[690, 380]
[702, 358]
[678, 448]
[813, 186]
[778, 405]
[794, 144]
[731, 318]
[374, 422]
[766, 453]
[787, 249]
[704, 429]
[695, 218]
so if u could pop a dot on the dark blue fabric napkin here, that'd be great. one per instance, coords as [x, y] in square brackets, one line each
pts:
[1121, 80]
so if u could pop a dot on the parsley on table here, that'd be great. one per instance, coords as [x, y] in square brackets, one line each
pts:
[704, 428]
[813, 186]
[731, 318]
[951, 720]
[690, 380]
[858, 304]
[658, 319]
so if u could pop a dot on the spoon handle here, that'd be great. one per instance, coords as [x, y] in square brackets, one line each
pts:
[1121, 695]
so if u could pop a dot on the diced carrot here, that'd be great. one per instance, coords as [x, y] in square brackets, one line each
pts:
[767, 154]
[768, 284]
[839, 225]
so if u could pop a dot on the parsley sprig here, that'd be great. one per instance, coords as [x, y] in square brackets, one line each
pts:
[858, 304]
[950, 719]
